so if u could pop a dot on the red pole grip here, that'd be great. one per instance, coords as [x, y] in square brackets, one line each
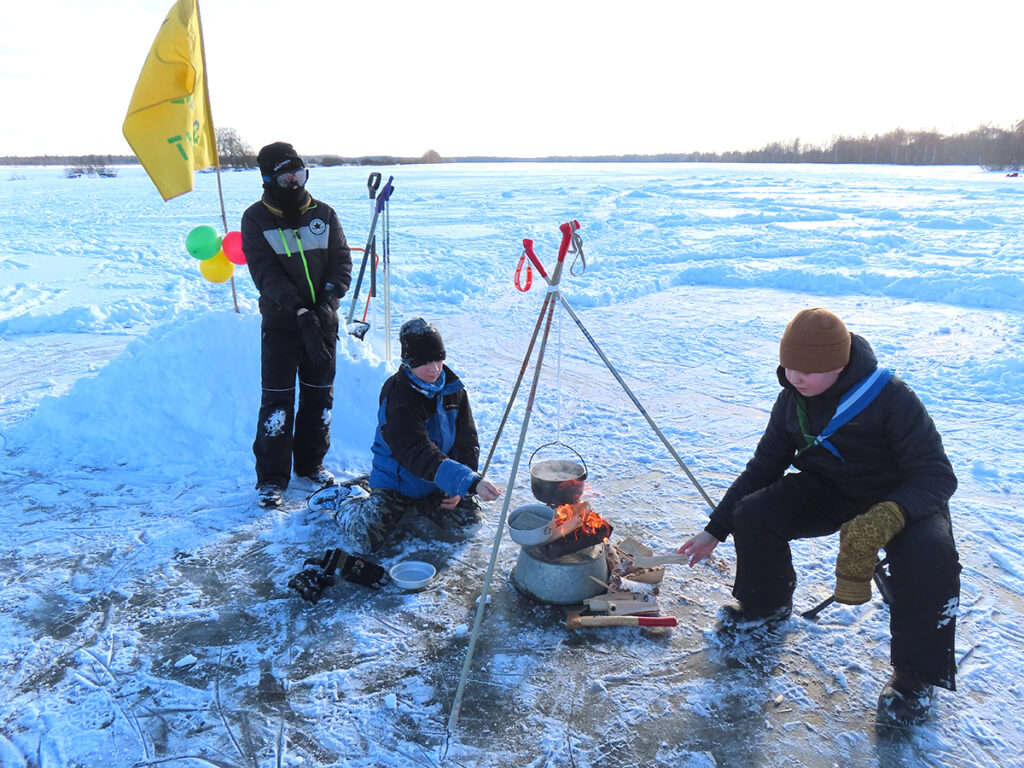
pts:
[567, 232]
[528, 248]
[657, 621]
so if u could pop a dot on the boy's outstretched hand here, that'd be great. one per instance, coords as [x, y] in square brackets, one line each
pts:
[487, 490]
[698, 547]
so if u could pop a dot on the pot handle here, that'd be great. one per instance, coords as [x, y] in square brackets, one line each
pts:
[559, 442]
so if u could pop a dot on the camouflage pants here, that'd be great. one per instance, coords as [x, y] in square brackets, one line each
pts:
[367, 523]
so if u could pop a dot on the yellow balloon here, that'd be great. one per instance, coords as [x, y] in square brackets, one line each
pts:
[217, 268]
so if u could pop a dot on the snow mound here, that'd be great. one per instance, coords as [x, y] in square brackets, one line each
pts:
[184, 399]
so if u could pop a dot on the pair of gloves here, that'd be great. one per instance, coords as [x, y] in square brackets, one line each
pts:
[310, 583]
[312, 324]
[859, 542]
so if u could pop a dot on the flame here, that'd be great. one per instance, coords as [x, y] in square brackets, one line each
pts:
[589, 521]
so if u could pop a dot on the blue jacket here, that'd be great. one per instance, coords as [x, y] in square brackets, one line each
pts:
[425, 442]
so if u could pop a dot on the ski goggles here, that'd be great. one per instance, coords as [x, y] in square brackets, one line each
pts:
[293, 178]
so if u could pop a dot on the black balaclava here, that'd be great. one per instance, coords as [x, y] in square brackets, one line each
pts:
[276, 158]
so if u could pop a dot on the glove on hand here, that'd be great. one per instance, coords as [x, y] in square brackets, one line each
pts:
[312, 337]
[326, 309]
[859, 542]
[328, 297]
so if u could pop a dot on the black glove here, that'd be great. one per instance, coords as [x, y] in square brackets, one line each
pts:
[360, 571]
[326, 309]
[313, 338]
[311, 583]
[329, 297]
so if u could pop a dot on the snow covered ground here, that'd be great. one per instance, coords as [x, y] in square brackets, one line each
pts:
[144, 613]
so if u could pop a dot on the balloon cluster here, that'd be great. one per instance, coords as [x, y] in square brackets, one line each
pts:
[217, 255]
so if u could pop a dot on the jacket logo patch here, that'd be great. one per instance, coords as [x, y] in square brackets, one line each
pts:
[317, 226]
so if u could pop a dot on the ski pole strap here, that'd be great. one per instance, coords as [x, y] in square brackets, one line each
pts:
[576, 247]
[519, 271]
[853, 402]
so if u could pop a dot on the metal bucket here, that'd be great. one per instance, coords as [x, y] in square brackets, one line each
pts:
[564, 580]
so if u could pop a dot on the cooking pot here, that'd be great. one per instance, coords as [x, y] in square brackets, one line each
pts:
[557, 481]
[532, 524]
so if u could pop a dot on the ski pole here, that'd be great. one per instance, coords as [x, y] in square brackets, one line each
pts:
[382, 198]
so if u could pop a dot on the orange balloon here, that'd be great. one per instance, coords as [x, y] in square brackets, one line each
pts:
[232, 245]
[217, 269]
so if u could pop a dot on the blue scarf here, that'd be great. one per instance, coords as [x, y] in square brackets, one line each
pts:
[857, 398]
[425, 389]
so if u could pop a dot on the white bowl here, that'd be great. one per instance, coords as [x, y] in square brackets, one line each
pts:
[412, 574]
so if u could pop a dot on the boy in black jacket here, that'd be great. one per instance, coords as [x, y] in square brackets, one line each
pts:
[425, 450]
[871, 466]
[301, 265]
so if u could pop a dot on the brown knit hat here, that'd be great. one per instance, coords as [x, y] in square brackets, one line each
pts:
[815, 341]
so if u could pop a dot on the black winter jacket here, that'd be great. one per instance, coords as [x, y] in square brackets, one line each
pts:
[892, 450]
[290, 267]
[425, 443]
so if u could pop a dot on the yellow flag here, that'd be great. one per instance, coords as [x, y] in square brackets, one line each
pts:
[168, 124]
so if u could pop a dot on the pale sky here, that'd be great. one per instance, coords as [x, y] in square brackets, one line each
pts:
[523, 78]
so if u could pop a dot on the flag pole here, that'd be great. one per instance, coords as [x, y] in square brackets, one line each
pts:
[213, 133]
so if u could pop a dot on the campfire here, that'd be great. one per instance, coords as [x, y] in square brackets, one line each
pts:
[577, 527]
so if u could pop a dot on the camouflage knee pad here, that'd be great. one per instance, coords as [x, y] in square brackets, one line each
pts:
[367, 523]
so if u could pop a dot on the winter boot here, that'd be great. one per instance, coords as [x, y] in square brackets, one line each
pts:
[739, 618]
[269, 494]
[904, 701]
[319, 476]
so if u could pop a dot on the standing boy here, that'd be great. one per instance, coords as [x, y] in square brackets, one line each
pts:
[871, 466]
[301, 265]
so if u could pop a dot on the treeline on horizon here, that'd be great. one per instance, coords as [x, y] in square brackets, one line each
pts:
[989, 146]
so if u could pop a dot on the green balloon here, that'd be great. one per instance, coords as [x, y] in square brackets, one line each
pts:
[203, 242]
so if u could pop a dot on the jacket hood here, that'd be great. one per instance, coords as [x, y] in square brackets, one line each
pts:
[862, 362]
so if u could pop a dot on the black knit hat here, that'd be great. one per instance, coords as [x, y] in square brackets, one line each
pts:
[421, 343]
[278, 157]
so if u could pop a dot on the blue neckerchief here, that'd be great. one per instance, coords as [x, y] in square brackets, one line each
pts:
[429, 390]
[857, 398]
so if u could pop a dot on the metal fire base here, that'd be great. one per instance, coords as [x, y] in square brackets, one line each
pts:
[563, 580]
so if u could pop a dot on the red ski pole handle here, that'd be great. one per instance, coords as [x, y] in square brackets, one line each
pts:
[568, 230]
[519, 271]
[528, 249]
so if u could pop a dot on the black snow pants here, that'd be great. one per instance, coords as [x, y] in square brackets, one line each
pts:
[924, 567]
[281, 432]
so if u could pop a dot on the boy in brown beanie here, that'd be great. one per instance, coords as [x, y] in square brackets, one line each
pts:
[870, 465]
